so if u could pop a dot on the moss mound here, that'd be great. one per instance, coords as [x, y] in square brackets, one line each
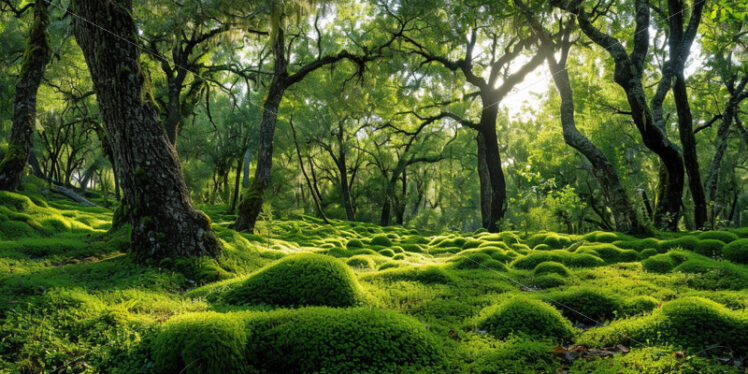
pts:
[709, 247]
[661, 263]
[201, 343]
[737, 251]
[569, 259]
[477, 260]
[693, 323]
[600, 237]
[382, 240]
[610, 253]
[297, 280]
[354, 243]
[295, 341]
[525, 316]
[551, 267]
[549, 280]
[425, 274]
[361, 262]
[590, 306]
[723, 236]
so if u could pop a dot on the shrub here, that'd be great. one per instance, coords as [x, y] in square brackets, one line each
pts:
[723, 236]
[586, 305]
[296, 280]
[551, 267]
[361, 261]
[354, 243]
[525, 316]
[382, 240]
[200, 343]
[737, 251]
[709, 247]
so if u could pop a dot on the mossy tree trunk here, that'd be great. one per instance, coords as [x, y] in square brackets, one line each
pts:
[35, 60]
[156, 199]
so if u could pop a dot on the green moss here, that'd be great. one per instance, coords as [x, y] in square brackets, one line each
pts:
[586, 305]
[549, 280]
[477, 260]
[638, 305]
[551, 267]
[201, 343]
[354, 243]
[387, 252]
[693, 323]
[647, 253]
[561, 256]
[297, 280]
[382, 240]
[424, 274]
[723, 236]
[518, 355]
[542, 247]
[600, 237]
[361, 262]
[526, 316]
[737, 251]
[709, 247]
[688, 242]
[661, 263]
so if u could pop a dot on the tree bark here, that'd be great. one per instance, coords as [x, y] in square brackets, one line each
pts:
[35, 60]
[690, 157]
[487, 129]
[485, 182]
[156, 199]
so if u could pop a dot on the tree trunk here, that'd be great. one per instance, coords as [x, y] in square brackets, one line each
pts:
[156, 199]
[35, 60]
[625, 217]
[251, 204]
[485, 183]
[713, 176]
[690, 157]
[487, 128]
[236, 184]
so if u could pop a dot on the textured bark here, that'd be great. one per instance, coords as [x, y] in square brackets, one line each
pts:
[35, 60]
[624, 214]
[342, 164]
[156, 200]
[722, 134]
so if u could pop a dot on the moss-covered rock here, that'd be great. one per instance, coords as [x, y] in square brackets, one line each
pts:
[298, 280]
[526, 316]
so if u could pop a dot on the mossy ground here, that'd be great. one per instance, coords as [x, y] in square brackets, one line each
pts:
[72, 299]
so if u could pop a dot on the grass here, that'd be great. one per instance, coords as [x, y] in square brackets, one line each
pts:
[302, 296]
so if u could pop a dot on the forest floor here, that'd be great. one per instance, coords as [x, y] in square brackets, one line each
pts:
[302, 296]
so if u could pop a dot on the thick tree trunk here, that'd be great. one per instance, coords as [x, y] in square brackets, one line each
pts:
[237, 182]
[156, 198]
[35, 60]
[173, 109]
[344, 186]
[487, 128]
[625, 217]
